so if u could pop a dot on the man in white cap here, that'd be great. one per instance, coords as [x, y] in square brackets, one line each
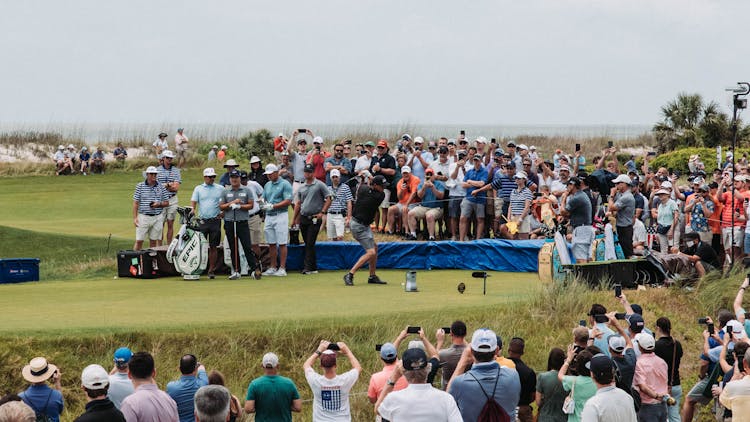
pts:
[471, 389]
[45, 401]
[59, 158]
[149, 200]
[272, 397]
[95, 382]
[651, 380]
[533, 154]
[340, 211]
[170, 177]
[229, 165]
[212, 154]
[206, 197]
[279, 145]
[317, 158]
[420, 159]
[181, 145]
[71, 155]
[277, 195]
[622, 202]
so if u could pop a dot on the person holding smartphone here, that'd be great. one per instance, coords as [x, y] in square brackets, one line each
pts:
[44, 399]
[334, 404]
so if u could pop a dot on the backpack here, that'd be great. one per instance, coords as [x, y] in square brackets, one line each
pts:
[40, 416]
[635, 394]
[491, 411]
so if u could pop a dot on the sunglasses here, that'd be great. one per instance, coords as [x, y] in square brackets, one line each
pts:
[338, 150]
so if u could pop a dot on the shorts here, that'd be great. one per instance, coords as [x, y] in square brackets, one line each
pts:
[277, 228]
[386, 199]
[726, 237]
[468, 208]
[295, 189]
[420, 212]
[335, 225]
[696, 393]
[171, 210]
[498, 202]
[149, 225]
[212, 230]
[399, 206]
[362, 234]
[525, 225]
[454, 206]
[182, 150]
[583, 236]
[256, 229]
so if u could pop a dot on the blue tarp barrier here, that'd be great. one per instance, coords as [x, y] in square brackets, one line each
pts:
[485, 254]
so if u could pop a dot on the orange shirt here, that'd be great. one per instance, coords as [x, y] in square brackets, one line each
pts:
[714, 220]
[378, 380]
[410, 188]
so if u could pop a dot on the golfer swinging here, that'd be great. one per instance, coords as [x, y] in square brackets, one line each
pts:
[368, 200]
[235, 203]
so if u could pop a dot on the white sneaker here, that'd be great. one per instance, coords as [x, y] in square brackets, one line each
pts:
[235, 276]
[271, 271]
[281, 272]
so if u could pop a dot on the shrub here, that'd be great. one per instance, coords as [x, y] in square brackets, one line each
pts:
[678, 160]
[258, 143]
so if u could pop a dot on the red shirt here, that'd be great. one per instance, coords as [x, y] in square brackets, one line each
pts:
[726, 213]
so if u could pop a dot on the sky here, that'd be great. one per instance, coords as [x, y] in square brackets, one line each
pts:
[554, 62]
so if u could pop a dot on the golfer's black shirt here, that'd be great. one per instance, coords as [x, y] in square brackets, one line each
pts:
[368, 201]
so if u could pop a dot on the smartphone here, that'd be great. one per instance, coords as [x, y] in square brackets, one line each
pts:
[333, 346]
[618, 290]
[651, 153]
[302, 130]
[463, 132]
[493, 141]
[702, 320]
[413, 330]
[578, 147]
[670, 170]
[710, 328]
[609, 144]
[537, 194]
[446, 330]
[582, 323]
[620, 316]
[378, 347]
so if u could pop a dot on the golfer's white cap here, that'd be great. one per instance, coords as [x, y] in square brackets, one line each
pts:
[208, 172]
[271, 168]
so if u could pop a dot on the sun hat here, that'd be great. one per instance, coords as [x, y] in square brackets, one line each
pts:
[38, 370]
[94, 377]
[232, 163]
[484, 340]
[253, 159]
[209, 172]
[270, 360]
[163, 135]
[167, 154]
[61, 147]
[666, 184]
[223, 147]
[151, 170]
[271, 168]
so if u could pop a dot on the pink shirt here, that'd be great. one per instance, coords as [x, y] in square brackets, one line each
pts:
[149, 404]
[378, 380]
[180, 139]
[651, 370]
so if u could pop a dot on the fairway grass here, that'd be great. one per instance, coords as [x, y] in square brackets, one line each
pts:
[124, 304]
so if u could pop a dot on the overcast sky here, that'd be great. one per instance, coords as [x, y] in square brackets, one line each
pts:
[388, 61]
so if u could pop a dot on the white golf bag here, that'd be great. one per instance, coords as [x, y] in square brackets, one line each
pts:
[188, 251]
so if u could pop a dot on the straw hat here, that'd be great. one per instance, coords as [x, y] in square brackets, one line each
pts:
[38, 370]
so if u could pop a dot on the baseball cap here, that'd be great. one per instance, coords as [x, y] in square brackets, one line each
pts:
[223, 147]
[405, 169]
[666, 185]
[243, 174]
[406, 136]
[738, 331]
[335, 173]
[645, 340]
[215, 147]
[94, 377]
[309, 168]
[413, 359]
[511, 144]
[484, 340]
[328, 359]
[520, 175]
[499, 152]
[380, 181]
[566, 168]
[234, 173]
[532, 148]
[301, 140]
[369, 144]
[270, 360]
[419, 140]
[253, 159]
[477, 157]
[522, 146]
[636, 322]
[574, 181]
[415, 344]
[151, 169]
[429, 171]
[621, 179]
[231, 162]
[167, 154]
[481, 140]
[61, 147]
[637, 309]
[616, 343]
[698, 181]
[443, 150]
[208, 172]
[388, 351]
[317, 140]
[123, 355]
[600, 364]
[271, 168]
[451, 141]
[383, 143]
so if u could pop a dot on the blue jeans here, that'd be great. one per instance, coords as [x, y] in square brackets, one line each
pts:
[673, 412]
[652, 413]
[747, 242]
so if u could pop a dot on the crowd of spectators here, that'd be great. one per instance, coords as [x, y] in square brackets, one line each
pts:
[617, 367]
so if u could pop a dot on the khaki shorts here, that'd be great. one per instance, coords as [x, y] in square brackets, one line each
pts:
[726, 237]
[256, 230]
[149, 225]
[386, 199]
[525, 225]
[498, 202]
[335, 225]
[422, 212]
[171, 210]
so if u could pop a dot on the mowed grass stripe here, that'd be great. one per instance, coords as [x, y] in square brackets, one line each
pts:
[127, 304]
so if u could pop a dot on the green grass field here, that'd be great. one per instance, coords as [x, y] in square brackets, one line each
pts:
[79, 313]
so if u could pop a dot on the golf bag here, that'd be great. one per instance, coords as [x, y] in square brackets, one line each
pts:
[188, 251]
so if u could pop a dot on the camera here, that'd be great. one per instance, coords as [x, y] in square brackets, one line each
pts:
[620, 316]
[427, 176]
[302, 130]
[446, 330]
[378, 347]
[333, 346]
[702, 320]
[582, 323]
[413, 330]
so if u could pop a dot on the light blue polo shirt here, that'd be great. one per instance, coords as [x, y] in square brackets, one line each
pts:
[207, 197]
[275, 192]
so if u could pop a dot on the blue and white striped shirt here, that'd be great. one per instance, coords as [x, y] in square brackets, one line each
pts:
[518, 200]
[146, 194]
[341, 196]
[168, 176]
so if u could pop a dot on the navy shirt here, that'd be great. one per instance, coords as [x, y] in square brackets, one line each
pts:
[480, 175]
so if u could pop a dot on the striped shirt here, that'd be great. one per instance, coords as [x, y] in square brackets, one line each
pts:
[518, 200]
[168, 176]
[145, 195]
[341, 196]
[504, 185]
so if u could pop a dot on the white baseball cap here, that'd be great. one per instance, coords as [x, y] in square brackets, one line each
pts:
[484, 340]
[167, 154]
[622, 179]
[317, 140]
[208, 172]
[335, 173]
[271, 168]
[151, 169]
[270, 360]
[254, 159]
[94, 377]
[405, 169]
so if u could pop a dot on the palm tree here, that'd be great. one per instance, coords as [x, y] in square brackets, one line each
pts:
[688, 122]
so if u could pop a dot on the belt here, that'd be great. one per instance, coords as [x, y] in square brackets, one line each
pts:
[299, 181]
[150, 215]
[253, 214]
[335, 212]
